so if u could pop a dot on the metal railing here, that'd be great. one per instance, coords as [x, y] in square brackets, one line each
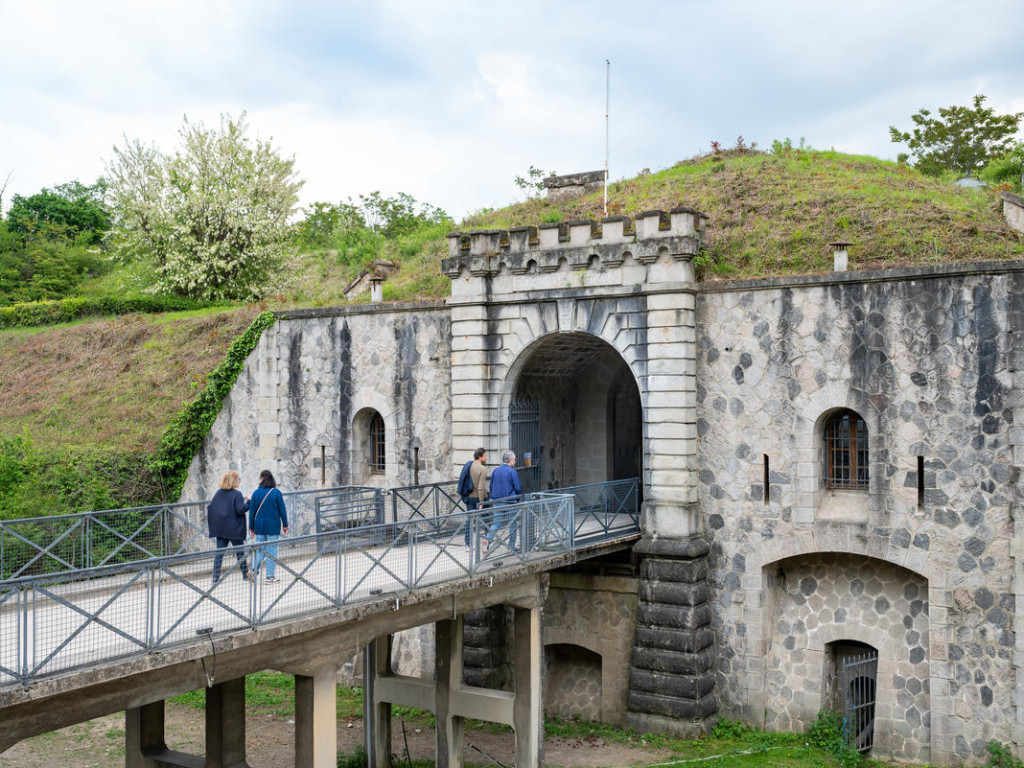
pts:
[93, 539]
[64, 621]
[603, 510]
[425, 501]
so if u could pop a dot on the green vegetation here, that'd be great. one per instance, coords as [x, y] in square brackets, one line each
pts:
[95, 411]
[211, 220]
[86, 406]
[185, 435]
[960, 139]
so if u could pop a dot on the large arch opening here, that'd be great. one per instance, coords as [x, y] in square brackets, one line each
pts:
[575, 414]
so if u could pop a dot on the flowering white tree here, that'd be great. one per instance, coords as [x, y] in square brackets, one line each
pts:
[212, 218]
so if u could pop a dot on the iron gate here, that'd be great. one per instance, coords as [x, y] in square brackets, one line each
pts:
[524, 439]
[860, 672]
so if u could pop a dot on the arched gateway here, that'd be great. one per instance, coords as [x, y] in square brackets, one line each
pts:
[575, 343]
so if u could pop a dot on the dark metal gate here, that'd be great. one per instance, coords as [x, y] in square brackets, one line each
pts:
[524, 439]
[860, 672]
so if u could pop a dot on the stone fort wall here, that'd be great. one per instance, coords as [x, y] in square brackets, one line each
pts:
[931, 362]
[931, 359]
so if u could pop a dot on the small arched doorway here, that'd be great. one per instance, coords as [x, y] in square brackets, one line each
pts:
[851, 670]
[575, 414]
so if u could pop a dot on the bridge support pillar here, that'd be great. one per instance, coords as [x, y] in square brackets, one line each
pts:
[448, 660]
[144, 735]
[225, 725]
[376, 709]
[316, 735]
[528, 709]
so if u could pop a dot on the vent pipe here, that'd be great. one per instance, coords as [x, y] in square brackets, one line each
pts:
[840, 258]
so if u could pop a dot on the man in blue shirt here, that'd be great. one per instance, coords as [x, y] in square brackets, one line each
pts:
[505, 489]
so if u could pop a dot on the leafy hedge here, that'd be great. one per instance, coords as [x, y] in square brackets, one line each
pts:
[184, 437]
[65, 310]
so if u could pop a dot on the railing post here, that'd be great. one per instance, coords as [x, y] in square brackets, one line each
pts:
[394, 506]
[152, 603]
[23, 633]
[411, 532]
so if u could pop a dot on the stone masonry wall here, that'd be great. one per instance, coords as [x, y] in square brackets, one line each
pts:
[587, 615]
[926, 358]
[305, 393]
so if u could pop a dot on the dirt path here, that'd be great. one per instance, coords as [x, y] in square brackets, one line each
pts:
[270, 744]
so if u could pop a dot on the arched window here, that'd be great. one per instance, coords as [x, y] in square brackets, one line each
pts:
[377, 444]
[846, 451]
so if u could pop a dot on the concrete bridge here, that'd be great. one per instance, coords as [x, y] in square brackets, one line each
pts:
[78, 643]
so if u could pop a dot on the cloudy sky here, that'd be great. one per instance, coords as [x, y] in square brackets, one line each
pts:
[450, 100]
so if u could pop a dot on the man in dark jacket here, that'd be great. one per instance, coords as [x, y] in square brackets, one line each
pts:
[225, 515]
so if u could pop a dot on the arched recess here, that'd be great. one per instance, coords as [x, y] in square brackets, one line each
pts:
[573, 413]
[573, 686]
[813, 601]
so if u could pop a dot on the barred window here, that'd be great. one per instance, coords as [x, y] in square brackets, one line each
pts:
[377, 461]
[846, 451]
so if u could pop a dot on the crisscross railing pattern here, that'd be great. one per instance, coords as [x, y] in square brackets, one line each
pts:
[93, 539]
[424, 501]
[60, 622]
[603, 509]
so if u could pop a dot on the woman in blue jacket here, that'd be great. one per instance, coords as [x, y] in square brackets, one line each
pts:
[267, 519]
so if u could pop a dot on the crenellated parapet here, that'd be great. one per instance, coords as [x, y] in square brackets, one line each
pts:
[577, 246]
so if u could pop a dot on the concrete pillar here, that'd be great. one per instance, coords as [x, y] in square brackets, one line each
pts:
[528, 709]
[316, 726]
[376, 716]
[448, 656]
[225, 725]
[144, 735]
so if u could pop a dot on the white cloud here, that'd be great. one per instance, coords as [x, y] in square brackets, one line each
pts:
[449, 102]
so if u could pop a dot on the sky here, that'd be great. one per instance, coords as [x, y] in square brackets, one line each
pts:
[449, 101]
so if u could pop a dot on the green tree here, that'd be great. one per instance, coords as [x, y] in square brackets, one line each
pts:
[68, 212]
[323, 222]
[962, 139]
[212, 218]
[1007, 168]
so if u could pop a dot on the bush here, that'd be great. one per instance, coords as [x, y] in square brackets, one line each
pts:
[35, 313]
[827, 733]
[1001, 756]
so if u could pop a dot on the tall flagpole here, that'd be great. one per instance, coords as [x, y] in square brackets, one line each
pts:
[607, 131]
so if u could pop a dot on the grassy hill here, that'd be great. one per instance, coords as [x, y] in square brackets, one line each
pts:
[88, 402]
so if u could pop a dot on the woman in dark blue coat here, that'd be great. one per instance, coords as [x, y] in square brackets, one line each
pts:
[225, 515]
[267, 519]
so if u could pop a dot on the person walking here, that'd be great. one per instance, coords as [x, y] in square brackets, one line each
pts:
[225, 516]
[475, 472]
[267, 519]
[505, 490]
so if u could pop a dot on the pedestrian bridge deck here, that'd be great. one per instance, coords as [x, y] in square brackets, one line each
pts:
[54, 624]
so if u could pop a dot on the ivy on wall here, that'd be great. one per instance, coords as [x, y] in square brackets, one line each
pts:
[184, 437]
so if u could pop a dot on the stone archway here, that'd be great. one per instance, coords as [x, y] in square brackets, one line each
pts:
[813, 602]
[575, 415]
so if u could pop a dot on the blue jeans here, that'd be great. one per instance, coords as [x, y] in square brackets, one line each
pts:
[269, 552]
[500, 518]
[222, 544]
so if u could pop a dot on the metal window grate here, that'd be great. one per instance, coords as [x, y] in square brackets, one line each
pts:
[846, 443]
[377, 443]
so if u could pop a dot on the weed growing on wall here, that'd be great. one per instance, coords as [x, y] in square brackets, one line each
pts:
[185, 435]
